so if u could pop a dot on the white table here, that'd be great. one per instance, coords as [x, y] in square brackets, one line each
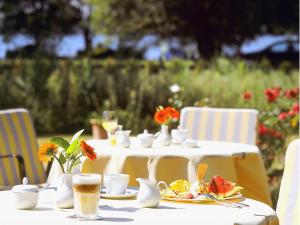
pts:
[128, 212]
[240, 163]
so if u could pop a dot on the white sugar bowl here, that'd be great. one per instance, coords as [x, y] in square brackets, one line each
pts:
[25, 196]
[189, 143]
[145, 139]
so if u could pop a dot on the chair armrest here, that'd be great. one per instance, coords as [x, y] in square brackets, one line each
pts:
[21, 164]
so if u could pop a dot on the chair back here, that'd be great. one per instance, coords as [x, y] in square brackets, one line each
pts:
[17, 136]
[217, 124]
[288, 205]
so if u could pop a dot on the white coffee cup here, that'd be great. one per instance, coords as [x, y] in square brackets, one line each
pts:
[179, 135]
[116, 183]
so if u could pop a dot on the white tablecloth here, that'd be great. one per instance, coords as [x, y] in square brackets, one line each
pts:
[128, 211]
[240, 163]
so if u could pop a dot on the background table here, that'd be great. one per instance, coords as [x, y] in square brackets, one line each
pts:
[128, 211]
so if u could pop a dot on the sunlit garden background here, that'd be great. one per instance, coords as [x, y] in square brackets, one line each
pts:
[67, 61]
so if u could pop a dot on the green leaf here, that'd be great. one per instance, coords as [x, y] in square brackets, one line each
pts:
[76, 151]
[61, 142]
[76, 136]
[72, 146]
[68, 155]
[62, 158]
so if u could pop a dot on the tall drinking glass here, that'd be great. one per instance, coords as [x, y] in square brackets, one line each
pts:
[86, 187]
[110, 124]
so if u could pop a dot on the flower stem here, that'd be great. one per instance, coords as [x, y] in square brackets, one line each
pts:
[61, 166]
[71, 167]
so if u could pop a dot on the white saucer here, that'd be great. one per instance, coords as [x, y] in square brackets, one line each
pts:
[130, 193]
[176, 142]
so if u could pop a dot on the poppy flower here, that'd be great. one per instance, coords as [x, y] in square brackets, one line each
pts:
[295, 107]
[291, 113]
[272, 94]
[262, 130]
[161, 116]
[274, 133]
[292, 93]
[173, 113]
[46, 152]
[88, 150]
[247, 95]
[283, 116]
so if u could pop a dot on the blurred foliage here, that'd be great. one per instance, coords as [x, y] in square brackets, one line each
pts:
[43, 21]
[62, 95]
[209, 23]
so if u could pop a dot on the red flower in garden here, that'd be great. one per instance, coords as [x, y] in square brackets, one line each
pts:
[292, 93]
[283, 116]
[295, 107]
[247, 95]
[272, 93]
[274, 133]
[262, 130]
[291, 113]
[173, 113]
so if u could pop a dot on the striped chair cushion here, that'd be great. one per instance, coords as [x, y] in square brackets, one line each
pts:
[17, 136]
[288, 205]
[233, 125]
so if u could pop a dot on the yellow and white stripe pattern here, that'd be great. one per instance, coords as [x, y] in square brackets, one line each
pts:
[17, 136]
[288, 205]
[232, 125]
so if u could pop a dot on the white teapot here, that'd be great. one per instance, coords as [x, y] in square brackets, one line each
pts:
[145, 139]
[148, 195]
[123, 138]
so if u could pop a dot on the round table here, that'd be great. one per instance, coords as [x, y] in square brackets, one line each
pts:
[239, 163]
[128, 211]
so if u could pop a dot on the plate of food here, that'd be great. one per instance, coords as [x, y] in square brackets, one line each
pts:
[217, 190]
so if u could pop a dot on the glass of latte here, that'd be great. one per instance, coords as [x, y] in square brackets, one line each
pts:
[86, 188]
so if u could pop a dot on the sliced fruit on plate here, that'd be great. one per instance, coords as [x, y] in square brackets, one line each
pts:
[202, 168]
[180, 186]
[223, 188]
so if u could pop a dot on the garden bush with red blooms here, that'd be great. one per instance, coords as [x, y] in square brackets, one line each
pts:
[275, 126]
[247, 95]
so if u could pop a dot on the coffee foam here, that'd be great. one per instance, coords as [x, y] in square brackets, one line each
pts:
[86, 178]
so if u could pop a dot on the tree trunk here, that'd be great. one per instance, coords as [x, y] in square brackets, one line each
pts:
[87, 34]
[206, 48]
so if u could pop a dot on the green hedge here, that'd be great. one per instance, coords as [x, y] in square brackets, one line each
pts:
[63, 94]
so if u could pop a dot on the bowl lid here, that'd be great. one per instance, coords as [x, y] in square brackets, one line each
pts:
[145, 135]
[25, 187]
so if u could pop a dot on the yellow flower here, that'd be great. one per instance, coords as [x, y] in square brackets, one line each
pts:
[294, 122]
[46, 152]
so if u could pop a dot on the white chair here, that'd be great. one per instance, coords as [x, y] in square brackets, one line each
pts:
[218, 124]
[288, 205]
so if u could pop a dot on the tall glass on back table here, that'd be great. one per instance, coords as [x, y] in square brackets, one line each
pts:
[110, 124]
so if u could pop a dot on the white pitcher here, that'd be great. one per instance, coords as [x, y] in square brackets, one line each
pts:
[148, 195]
[123, 138]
